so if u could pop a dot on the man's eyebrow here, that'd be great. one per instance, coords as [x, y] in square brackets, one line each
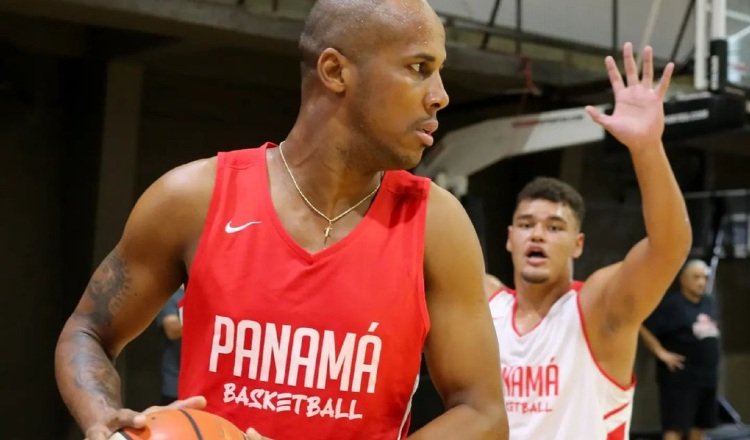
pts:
[553, 218]
[425, 56]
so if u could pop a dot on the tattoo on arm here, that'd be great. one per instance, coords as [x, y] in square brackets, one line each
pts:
[94, 372]
[107, 288]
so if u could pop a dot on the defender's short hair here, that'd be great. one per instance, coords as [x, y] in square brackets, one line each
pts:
[554, 190]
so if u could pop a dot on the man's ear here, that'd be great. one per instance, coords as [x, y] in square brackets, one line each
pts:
[508, 244]
[579, 245]
[333, 69]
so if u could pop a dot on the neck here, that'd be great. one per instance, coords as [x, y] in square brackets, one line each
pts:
[326, 168]
[539, 297]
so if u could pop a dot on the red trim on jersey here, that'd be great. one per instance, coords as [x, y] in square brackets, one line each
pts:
[591, 351]
[513, 319]
[501, 290]
[495, 293]
[575, 285]
[616, 410]
[617, 434]
[209, 221]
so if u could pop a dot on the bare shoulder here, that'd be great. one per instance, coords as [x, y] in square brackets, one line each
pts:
[594, 296]
[450, 238]
[187, 183]
[601, 276]
[443, 211]
[597, 282]
[174, 207]
[447, 224]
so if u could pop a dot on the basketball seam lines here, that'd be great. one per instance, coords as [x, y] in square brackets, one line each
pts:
[192, 422]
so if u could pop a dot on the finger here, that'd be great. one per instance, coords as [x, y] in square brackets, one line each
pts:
[252, 434]
[614, 74]
[154, 408]
[666, 78]
[127, 417]
[597, 116]
[195, 402]
[647, 78]
[631, 68]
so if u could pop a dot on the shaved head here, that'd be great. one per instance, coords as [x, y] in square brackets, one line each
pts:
[695, 264]
[356, 28]
[693, 279]
[371, 73]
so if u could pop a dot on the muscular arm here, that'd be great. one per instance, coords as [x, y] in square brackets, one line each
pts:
[461, 351]
[618, 298]
[125, 293]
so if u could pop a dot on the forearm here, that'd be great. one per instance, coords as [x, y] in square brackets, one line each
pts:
[465, 422]
[652, 343]
[86, 376]
[664, 211]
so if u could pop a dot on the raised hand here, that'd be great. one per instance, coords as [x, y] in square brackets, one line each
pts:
[128, 418]
[638, 117]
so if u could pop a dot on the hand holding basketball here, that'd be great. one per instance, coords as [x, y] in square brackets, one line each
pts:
[181, 424]
[121, 418]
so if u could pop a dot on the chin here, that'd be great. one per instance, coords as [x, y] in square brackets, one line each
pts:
[535, 277]
[406, 161]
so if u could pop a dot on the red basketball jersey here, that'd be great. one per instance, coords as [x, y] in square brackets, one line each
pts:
[300, 345]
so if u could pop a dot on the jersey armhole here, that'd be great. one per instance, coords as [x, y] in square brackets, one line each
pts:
[210, 220]
[591, 351]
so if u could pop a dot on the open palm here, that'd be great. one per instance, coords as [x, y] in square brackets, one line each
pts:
[638, 117]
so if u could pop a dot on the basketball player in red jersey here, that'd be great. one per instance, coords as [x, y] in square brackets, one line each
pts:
[567, 347]
[318, 272]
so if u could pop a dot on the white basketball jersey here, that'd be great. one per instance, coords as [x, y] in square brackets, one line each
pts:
[554, 388]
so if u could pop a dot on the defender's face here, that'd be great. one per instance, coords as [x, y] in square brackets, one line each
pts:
[399, 91]
[543, 239]
[694, 279]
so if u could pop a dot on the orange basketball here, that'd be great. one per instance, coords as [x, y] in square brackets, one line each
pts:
[182, 424]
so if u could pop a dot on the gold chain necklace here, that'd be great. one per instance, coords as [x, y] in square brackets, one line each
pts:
[331, 221]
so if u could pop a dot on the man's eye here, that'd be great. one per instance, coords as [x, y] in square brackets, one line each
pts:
[417, 67]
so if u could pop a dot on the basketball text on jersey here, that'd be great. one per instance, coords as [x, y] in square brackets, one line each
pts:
[284, 355]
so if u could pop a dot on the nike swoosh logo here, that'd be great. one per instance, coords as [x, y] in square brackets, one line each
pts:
[229, 229]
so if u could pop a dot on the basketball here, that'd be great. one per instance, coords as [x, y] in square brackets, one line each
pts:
[182, 424]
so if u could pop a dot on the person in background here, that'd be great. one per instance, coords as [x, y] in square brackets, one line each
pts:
[683, 334]
[567, 348]
[169, 321]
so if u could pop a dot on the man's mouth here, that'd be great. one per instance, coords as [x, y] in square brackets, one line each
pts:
[536, 256]
[426, 131]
